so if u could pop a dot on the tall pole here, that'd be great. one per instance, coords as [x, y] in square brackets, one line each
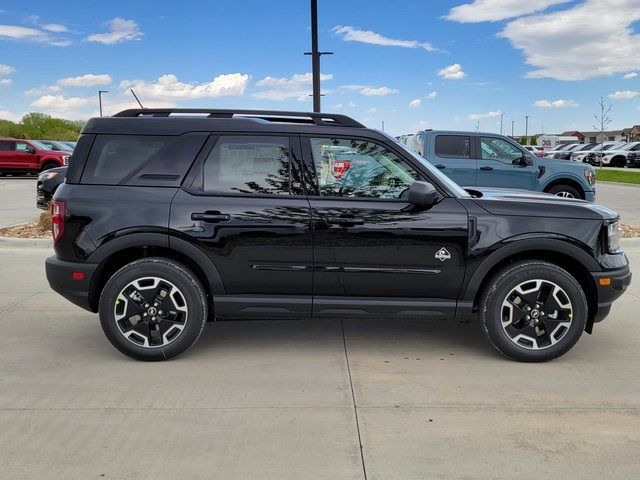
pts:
[501, 115]
[513, 122]
[100, 92]
[315, 56]
[526, 129]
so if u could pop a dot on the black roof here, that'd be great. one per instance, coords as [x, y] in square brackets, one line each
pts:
[176, 121]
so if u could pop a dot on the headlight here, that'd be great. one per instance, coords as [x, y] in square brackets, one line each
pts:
[590, 176]
[65, 159]
[47, 176]
[613, 237]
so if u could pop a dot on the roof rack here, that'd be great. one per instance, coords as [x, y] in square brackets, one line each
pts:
[323, 119]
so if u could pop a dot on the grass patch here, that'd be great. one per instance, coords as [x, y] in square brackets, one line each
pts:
[605, 175]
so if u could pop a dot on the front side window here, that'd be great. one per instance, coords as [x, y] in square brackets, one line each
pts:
[259, 165]
[359, 168]
[453, 146]
[493, 148]
[23, 147]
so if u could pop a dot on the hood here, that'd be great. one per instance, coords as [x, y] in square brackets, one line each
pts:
[504, 201]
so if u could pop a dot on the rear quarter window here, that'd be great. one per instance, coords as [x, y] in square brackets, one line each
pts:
[141, 160]
[453, 146]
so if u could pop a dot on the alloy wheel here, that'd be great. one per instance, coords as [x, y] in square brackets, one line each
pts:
[536, 314]
[150, 312]
[565, 194]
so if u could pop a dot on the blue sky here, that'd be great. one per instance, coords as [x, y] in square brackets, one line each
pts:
[412, 64]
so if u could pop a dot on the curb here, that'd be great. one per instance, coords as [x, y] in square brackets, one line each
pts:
[27, 243]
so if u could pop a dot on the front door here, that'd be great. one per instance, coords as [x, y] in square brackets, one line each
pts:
[373, 251]
[247, 209]
[502, 164]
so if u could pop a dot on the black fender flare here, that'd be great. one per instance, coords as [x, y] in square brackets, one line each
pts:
[515, 246]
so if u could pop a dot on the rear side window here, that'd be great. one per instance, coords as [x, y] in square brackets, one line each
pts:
[453, 146]
[141, 160]
[252, 165]
[6, 146]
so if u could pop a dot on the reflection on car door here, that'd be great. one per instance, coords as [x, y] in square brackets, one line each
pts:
[453, 154]
[501, 164]
[371, 247]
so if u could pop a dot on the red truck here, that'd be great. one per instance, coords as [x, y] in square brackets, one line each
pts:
[28, 156]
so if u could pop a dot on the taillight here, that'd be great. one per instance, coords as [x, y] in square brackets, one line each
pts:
[57, 219]
[340, 167]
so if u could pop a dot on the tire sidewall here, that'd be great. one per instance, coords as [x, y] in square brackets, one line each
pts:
[503, 283]
[565, 188]
[178, 275]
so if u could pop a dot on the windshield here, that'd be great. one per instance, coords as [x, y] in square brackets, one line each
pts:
[456, 189]
[584, 148]
[629, 146]
[63, 146]
[41, 145]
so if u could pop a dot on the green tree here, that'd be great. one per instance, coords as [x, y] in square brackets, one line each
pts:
[40, 126]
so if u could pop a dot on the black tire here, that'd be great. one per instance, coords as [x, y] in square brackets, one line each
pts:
[566, 191]
[190, 295]
[494, 316]
[48, 166]
[618, 162]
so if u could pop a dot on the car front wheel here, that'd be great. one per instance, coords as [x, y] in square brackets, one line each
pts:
[566, 191]
[153, 309]
[533, 311]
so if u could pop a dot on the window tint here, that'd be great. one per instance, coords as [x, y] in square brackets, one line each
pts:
[493, 148]
[6, 146]
[23, 147]
[261, 165]
[358, 168]
[141, 159]
[453, 146]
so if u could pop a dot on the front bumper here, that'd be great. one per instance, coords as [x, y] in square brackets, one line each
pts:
[633, 162]
[617, 283]
[590, 195]
[61, 280]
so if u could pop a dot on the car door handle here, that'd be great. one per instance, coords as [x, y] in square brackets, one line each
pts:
[210, 216]
[486, 167]
[440, 166]
[345, 221]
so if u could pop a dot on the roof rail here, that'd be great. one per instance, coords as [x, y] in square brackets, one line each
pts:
[324, 119]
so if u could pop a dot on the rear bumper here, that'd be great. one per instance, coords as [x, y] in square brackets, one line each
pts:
[620, 279]
[60, 277]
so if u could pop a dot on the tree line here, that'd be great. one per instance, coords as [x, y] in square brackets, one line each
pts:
[40, 126]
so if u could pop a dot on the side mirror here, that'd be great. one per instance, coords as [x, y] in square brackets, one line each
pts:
[423, 194]
[523, 161]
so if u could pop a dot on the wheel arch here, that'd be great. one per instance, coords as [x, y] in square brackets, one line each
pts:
[123, 250]
[566, 181]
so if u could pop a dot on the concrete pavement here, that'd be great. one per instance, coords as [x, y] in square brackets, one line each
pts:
[300, 399]
[17, 200]
[624, 199]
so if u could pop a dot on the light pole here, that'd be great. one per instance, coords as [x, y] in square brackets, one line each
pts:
[501, 115]
[315, 56]
[100, 92]
[513, 122]
[526, 129]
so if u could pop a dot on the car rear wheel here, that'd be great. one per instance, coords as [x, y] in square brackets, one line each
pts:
[153, 309]
[533, 311]
[566, 191]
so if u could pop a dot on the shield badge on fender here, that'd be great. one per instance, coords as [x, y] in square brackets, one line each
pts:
[443, 254]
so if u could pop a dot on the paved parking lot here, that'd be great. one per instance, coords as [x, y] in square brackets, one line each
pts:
[297, 400]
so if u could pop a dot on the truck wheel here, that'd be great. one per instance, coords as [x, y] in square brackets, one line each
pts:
[566, 191]
[533, 311]
[618, 162]
[48, 166]
[153, 309]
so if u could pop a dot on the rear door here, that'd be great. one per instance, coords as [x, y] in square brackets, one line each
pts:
[7, 154]
[453, 154]
[502, 164]
[246, 208]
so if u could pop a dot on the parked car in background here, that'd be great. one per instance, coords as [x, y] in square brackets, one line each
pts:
[580, 154]
[28, 156]
[593, 157]
[569, 154]
[537, 151]
[168, 221]
[47, 184]
[618, 157]
[491, 160]
[54, 145]
[72, 144]
[560, 148]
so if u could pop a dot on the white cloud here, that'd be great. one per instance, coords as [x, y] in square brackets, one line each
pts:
[295, 87]
[377, 91]
[60, 102]
[479, 116]
[5, 82]
[355, 34]
[494, 10]
[43, 90]
[351, 104]
[88, 80]
[13, 117]
[28, 34]
[6, 70]
[120, 30]
[630, 75]
[168, 87]
[431, 95]
[623, 95]
[560, 103]
[415, 103]
[590, 39]
[373, 110]
[54, 27]
[452, 72]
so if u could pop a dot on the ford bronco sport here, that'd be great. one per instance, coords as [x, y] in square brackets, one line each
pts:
[172, 217]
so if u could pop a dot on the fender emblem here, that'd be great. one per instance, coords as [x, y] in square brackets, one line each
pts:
[443, 254]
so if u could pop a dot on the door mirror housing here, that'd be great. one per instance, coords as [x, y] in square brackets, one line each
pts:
[523, 161]
[423, 194]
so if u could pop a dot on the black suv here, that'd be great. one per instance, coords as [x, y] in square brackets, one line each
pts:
[170, 218]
